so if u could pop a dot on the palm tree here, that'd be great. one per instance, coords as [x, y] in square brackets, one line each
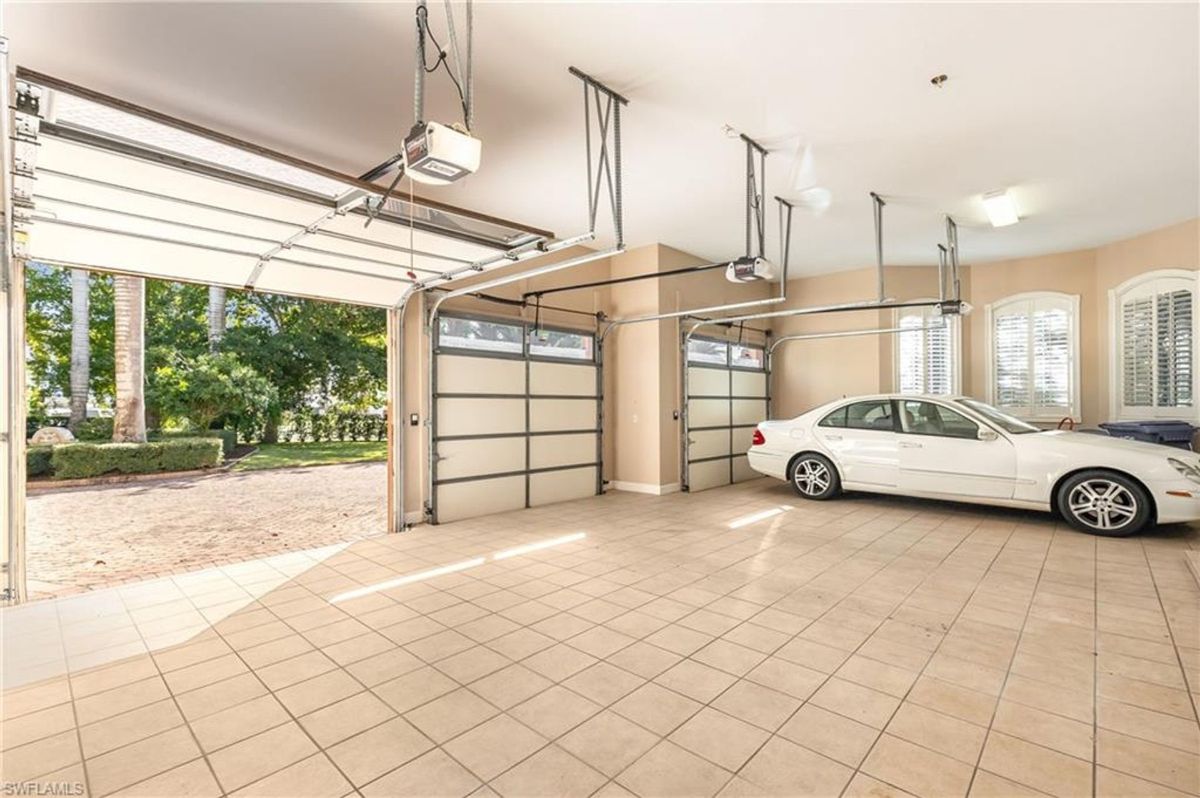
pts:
[129, 340]
[216, 316]
[81, 349]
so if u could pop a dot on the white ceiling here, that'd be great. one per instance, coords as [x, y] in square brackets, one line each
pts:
[1089, 112]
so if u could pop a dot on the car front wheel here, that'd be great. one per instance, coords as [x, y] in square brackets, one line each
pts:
[1104, 503]
[814, 477]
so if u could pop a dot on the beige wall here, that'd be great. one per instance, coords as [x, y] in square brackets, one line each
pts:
[808, 373]
[643, 363]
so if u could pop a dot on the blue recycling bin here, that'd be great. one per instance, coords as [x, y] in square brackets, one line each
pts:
[1167, 433]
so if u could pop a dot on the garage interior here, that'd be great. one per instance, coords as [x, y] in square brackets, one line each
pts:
[584, 586]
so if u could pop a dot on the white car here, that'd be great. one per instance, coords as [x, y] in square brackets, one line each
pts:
[962, 449]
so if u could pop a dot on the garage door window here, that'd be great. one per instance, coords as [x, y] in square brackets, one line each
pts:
[704, 350]
[561, 344]
[478, 335]
[1033, 350]
[926, 352]
[747, 357]
[1154, 330]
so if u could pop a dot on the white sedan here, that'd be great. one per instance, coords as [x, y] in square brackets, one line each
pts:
[966, 450]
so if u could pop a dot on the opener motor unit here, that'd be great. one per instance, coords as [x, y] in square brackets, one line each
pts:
[438, 154]
[750, 269]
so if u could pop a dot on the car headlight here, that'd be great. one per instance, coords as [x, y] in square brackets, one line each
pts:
[1191, 472]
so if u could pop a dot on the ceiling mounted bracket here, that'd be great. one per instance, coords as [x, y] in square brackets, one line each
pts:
[605, 172]
[756, 186]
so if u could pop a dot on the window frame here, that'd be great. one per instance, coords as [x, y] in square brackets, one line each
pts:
[954, 330]
[1032, 414]
[1149, 284]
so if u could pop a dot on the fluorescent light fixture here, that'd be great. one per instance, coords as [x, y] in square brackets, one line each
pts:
[405, 580]
[545, 544]
[1001, 209]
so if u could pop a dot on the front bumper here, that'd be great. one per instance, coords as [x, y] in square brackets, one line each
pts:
[1176, 501]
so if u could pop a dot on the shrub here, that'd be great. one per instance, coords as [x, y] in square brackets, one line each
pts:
[210, 387]
[95, 429]
[228, 437]
[37, 460]
[83, 460]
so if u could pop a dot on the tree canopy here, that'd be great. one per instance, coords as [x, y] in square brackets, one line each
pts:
[309, 355]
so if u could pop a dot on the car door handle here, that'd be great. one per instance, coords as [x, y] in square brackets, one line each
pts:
[909, 445]
[833, 437]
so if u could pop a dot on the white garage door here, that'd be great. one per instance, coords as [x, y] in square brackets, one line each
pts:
[516, 416]
[726, 398]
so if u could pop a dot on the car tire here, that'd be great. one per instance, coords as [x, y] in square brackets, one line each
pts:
[1104, 503]
[814, 477]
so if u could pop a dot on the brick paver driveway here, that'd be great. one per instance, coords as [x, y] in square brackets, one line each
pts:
[83, 538]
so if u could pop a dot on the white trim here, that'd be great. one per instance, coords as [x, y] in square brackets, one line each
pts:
[645, 487]
[990, 354]
[930, 315]
[1143, 285]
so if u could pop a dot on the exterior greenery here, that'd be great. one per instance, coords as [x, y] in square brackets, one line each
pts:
[227, 437]
[278, 357]
[37, 460]
[84, 460]
[289, 455]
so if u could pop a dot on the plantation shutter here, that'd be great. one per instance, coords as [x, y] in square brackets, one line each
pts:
[924, 357]
[1156, 349]
[1033, 357]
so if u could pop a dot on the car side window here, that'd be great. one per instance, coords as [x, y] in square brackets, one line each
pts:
[927, 418]
[835, 419]
[875, 414]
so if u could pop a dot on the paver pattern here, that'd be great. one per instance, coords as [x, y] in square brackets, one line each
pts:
[83, 538]
[634, 645]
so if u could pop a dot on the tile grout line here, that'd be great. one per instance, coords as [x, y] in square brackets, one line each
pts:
[883, 730]
[1012, 658]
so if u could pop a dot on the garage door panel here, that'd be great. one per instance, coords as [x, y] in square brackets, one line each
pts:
[480, 497]
[562, 379]
[551, 451]
[712, 474]
[708, 443]
[749, 411]
[743, 437]
[547, 415]
[742, 470]
[466, 416]
[708, 413]
[472, 458]
[561, 486]
[708, 382]
[749, 383]
[465, 374]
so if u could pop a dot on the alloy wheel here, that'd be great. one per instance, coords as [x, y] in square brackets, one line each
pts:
[811, 477]
[1103, 504]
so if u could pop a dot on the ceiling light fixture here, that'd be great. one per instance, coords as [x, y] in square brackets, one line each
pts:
[1001, 209]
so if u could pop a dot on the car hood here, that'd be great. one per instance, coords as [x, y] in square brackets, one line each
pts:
[1086, 441]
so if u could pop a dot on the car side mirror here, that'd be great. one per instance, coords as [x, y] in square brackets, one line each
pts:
[986, 434]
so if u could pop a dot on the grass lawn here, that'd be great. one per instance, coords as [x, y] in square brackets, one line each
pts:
[289, 455]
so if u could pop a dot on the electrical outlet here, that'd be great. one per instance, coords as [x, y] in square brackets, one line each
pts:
[413, 420]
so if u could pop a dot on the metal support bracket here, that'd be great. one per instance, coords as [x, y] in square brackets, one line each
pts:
[605, 172]
[756, 186]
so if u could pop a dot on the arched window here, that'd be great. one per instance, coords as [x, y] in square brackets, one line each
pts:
[1153, 359]
[1033, 354]
[926, 353]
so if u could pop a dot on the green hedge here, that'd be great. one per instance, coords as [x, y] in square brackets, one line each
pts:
[37, 460]
[83, 460]
[228, 437]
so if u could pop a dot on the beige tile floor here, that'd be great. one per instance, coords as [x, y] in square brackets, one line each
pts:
[639, 645]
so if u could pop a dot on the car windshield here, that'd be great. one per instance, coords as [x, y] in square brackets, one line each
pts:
[1004, 421]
